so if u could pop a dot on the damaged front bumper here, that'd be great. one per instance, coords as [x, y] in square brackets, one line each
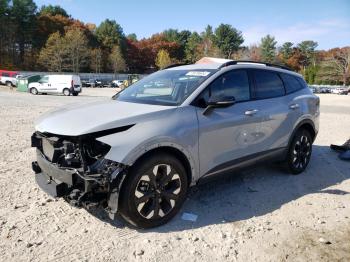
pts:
[80, 181]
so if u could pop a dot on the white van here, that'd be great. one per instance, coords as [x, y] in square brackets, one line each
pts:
[56, 84]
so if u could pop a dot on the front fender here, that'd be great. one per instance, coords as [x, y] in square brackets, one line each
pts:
[178, 130]
[34, 84]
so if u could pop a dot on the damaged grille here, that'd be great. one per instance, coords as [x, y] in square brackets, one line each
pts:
[70, 152]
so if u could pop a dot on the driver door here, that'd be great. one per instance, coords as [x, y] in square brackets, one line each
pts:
[44, 84]
[232, 133]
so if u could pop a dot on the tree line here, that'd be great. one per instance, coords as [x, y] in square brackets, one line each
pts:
[48, 38]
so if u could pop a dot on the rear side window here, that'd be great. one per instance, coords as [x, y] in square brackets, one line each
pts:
[268, 84]
[291, 83]
[5, 74]
[234, 83]
[302, 82]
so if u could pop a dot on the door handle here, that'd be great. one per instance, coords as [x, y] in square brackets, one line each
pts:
[251, 112]
[294, 106]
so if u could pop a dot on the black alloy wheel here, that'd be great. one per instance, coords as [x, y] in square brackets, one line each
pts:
[153, 191]
[299, 152]
[157, 191]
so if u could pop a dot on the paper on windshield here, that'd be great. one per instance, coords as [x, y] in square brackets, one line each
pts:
[198, 73]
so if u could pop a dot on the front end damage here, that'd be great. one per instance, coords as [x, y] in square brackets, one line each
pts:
[75, 168]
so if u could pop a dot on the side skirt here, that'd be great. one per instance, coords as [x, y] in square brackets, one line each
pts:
[273, 155]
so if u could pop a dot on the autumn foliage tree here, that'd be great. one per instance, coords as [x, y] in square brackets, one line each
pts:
[69, 52]
[141, 55]
[163, 59]
[336, 66]
[76, 44]
[117, 60]
[53, 56]
[53, 10]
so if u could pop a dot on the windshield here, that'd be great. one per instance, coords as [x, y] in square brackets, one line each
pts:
[166, 87]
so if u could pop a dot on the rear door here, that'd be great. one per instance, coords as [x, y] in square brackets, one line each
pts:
[228, 134]
[76, 83]
[273, 107]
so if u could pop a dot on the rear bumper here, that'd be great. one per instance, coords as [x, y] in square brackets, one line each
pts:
[76, 89]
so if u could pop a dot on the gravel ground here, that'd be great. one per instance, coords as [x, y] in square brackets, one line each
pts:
[259, 215]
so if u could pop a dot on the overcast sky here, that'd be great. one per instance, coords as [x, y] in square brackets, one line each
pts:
[327, 22]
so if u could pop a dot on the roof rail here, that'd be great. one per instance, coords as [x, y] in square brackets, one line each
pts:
[235, 62]
[174, 65]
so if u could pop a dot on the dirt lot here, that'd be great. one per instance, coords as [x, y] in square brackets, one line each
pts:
[260, 215]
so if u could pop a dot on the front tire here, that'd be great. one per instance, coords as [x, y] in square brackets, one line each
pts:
[66, 92]
[33, 91]
[299, 152]
[153, 191]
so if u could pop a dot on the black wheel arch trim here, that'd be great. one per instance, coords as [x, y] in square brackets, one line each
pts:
[303, 122]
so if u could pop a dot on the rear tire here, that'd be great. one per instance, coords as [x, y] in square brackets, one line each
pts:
[33, 91]
[299, 152]
[9, 84]
[66, 92]
[153, 191]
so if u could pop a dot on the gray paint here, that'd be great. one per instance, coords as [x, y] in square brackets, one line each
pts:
[206, 140]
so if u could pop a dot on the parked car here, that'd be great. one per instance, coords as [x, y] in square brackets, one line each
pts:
[314, 90]
[56, 84]
[117, 83]
[93, 82]
[84, 82]
[138, 153]
[344, 91]
[8, 78]
[325, 90]
[340, 91]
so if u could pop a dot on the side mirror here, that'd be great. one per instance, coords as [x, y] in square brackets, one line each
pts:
[219, 102]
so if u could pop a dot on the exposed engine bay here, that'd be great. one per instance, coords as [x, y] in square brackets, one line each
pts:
[75, 168]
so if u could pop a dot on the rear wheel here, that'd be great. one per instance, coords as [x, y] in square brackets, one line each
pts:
[9, 84]
[154, 191]
[66, 92]
[299, 152]
[33, 91]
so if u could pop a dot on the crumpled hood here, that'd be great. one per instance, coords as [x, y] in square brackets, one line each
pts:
[87, 118]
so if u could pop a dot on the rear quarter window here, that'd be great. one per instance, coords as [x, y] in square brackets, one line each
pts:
[268, 84]
[292, 83]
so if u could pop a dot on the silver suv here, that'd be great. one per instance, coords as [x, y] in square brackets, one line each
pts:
[138, 153]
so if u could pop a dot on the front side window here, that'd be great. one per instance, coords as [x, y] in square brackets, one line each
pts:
[44, 79]
[268, 84]
[166, 87]
[232, 84]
